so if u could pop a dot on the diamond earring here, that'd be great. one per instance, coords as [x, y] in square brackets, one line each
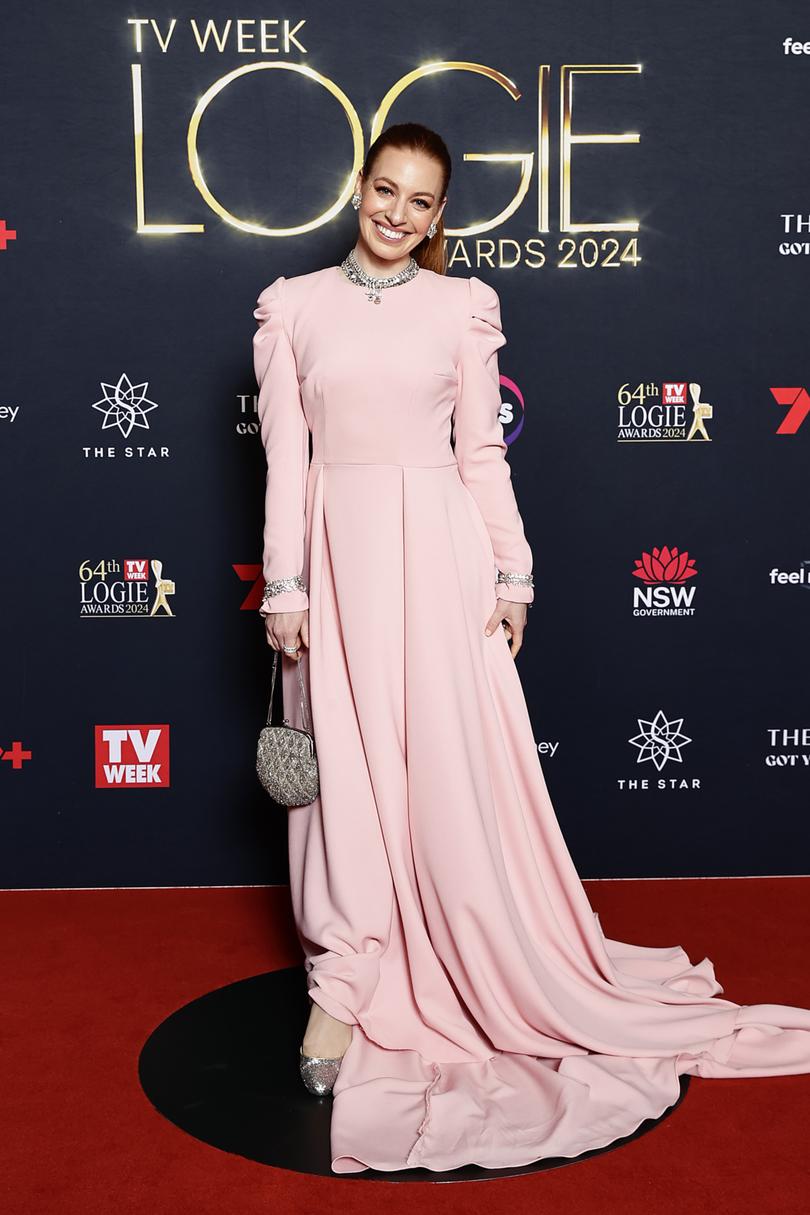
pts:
[432, 229]
[356, 200]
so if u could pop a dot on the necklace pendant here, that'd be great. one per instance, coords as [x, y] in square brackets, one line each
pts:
[374, 284]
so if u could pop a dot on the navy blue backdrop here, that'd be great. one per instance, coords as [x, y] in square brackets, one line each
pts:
[156, 176]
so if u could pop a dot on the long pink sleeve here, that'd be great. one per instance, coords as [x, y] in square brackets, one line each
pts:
[285, 436]
[479, 443]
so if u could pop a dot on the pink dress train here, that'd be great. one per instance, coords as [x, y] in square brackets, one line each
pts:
[438, 906]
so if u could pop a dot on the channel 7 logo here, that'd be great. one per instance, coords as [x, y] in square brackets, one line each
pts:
[798, 403]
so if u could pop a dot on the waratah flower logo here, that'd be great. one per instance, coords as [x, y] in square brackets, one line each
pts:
[665, 565]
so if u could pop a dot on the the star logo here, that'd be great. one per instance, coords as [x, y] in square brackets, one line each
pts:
[123, 405]
[660, 740]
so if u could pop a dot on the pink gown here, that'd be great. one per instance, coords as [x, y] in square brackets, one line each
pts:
[435, 899]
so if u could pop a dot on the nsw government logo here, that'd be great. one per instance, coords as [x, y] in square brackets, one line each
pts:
[132, 757]
[666, 591]
[133, 586]
[670, 413]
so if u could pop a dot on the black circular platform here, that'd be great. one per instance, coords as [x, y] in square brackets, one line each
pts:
[224, 1068]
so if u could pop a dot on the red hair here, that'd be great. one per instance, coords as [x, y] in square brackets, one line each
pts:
[430, 253]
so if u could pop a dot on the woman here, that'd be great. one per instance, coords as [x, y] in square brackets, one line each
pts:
[466, 1005]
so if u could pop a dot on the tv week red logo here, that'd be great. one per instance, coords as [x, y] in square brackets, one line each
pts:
[132, 757]
[674, 394]
[136, 569]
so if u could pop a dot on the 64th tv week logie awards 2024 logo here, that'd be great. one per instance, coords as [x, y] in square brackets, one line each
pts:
[130, 586]
[673, 413]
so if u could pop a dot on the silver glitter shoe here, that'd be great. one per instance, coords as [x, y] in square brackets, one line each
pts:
[318, 1074]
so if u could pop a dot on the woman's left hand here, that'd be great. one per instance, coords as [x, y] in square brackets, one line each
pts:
[514, 617]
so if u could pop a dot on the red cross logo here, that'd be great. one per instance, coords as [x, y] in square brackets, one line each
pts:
[6, 234]
[16, 754]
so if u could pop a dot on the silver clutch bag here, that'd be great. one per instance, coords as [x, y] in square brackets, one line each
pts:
[286, 762]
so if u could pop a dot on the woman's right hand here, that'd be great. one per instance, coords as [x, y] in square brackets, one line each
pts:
[287, 629]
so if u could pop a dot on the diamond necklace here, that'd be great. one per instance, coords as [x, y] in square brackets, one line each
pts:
[356, 274]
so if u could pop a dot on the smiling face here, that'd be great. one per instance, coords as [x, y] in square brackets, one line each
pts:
[399, 200]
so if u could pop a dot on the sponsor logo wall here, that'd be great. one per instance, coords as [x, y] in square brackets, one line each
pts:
[629, 182]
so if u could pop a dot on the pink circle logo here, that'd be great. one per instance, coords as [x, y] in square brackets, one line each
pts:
[519, 413]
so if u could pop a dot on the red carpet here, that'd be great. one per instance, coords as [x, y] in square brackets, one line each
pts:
[87, 975]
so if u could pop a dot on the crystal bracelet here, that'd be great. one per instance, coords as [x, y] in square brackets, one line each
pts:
[279, 585]
[515, 579]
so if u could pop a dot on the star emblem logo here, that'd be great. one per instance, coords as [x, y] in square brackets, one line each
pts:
[660, 740]
[123, 406]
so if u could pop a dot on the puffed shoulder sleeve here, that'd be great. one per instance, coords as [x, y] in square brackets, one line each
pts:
[479, 443]
[285, 435]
